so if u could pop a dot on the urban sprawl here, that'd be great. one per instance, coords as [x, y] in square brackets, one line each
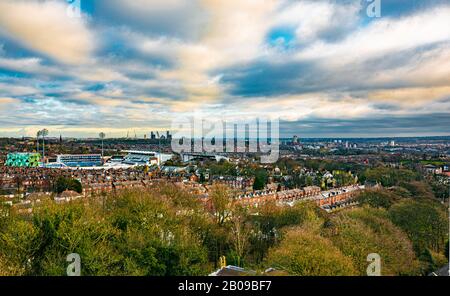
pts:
[333, 174]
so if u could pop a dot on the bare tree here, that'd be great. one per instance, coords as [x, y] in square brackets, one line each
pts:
[240, 233]
[222, 203]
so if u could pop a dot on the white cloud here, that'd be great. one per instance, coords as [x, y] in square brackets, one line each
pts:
[45, 27]
[426, 68]
[297, 107]
[29, 65]
[235, 34]
[382, 37]
[311, 18]
[7, 89]
[179, 18]
[197, 40]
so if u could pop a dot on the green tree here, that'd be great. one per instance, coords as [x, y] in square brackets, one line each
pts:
[260, 179]
[446, 250]
[16, 247]
[418, 190]
[427, 263]
[389, 176]
[62, 184]
[271, 219]
[377, 198]
[360, 232]
[425, 223]
[202, 178]
[306, 254]
[131, 233]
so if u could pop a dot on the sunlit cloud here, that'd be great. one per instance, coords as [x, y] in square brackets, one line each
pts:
[45, 26]
[136, 65]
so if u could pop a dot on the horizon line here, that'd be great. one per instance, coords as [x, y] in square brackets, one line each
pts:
[280, 138]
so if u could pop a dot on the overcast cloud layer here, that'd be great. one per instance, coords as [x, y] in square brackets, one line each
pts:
[323, 67]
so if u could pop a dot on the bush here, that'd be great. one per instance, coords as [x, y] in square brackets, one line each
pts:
[423, 221]
[167, 231]
[131, 233]
[15, 247]
[360, 232]
[427, 263]
[377, 198]
[418, 190]
[305, 254]
[271, 219]
[389, 177]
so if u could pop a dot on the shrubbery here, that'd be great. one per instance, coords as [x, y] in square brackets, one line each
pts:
[424, 222]
[167, 231]
[360, 232]
[377, 198]
[388, 177]
[304, 253]
[133, 233]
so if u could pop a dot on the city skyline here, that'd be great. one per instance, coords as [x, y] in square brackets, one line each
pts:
[325, 68]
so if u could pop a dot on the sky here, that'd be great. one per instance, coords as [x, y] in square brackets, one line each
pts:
[323, 68]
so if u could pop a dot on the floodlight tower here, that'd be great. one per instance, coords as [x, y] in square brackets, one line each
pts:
[44, 133]
[38, 134]
[102, 136]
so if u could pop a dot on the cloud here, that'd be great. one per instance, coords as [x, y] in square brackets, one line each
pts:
[411, 97]
[392, 53]
[234, 34]
[8, 89]
[129, 65]
[437, 124]
[6, 101]
[383, 37]
[318, 19]
[46, 28]
[31, 65]
[183, 19]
